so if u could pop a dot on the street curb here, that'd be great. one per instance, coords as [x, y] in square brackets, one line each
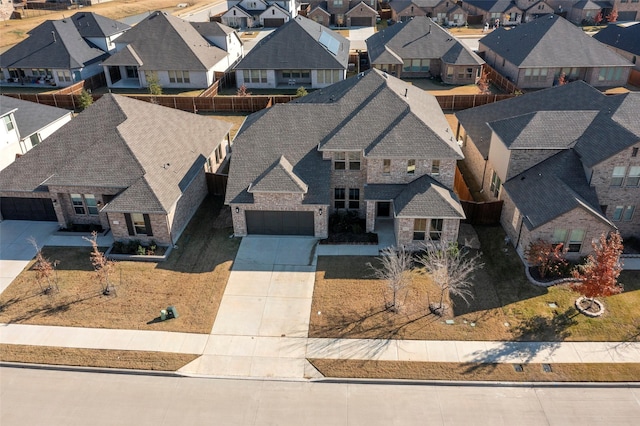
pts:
[77, 369]
[410, 382]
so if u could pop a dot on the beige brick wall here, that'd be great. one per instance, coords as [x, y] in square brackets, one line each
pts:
[64, 207]
[186, 206]
[159, 229]
[612, 196]
[404, 232]
[577, 218]
[474, 161]
[350, 179]
[398, 173]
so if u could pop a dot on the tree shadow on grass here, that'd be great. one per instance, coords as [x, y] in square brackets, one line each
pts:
[534, 339]
[52, 309]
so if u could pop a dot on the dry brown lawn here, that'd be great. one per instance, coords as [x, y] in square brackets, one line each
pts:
[621, 372]
[101, 358]
[234, 118]
[352, 304]
[15, 30]
[193, 280]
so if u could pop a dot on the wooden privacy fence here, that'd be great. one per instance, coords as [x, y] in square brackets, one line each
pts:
[457, 102]
[482, 213]
[217, 183]
[500, 81]
[460, 187]
[634, 78]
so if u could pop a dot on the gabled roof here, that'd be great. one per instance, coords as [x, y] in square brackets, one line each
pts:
[550, 41]
[621, 36]
[148, 152]
[30, 116]
[358, 8]
[126, 56]
[279, 178]
[322, 7]
[552, 188]
[400, 5]
[368, 113]
[164, 42]
[492, 5]
[590, 4]
[212, 29]
[574, 96]
[296, 45]
[419, 38]
[52, 44]
[543, 129]
[91, 24]
[426, 197]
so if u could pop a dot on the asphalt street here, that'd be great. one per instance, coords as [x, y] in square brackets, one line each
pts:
[51, 397]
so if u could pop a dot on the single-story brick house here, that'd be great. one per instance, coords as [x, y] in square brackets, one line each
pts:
[133, 167]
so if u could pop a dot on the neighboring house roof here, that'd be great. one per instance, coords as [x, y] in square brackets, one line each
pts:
[212, 29]
[589, 4]
[360, 5]
[30, 116]
[621, 36]
[52, 44]
[550, 41]
[149, 152]
[543, 129]
[321, 7]
[163, 42]
[426, 196]
[90, 24]
[400, 5]
[368, 113]
[492, 5]
[552, 188]
[418, 38]
[298, 45]
[574, 96]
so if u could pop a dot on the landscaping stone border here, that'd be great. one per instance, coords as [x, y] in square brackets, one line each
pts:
[546, 284]
[138, 257]
[596, 302]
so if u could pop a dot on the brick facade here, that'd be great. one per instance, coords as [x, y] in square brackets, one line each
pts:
[404, 232]
[187, 204]
[159, 228]
[577, 218]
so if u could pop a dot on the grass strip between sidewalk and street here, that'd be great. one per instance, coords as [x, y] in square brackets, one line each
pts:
[532, 372]
[103, 358]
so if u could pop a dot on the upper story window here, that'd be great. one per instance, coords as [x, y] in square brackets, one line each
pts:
[340, 160]
[435, 167]
[386, 167]
[337, 3]
[617, 177]
[624, 213]
[627, 176]
[8, 123]
[496, 184]
[634, 152]
[633, 178]
[411, 167]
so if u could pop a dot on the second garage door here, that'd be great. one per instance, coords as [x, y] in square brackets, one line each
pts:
[15, 208]
[279, 223]
[361, 21]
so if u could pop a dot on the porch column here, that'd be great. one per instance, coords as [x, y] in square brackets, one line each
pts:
[371, 216]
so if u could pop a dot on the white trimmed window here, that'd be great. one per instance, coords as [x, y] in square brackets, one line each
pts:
[179, 77]
[633, 178]
[535, 74]
[623, 213]
[84, 204]
[617, 177]
[576, 237]
[63, 75]
[328, 76]
[496, 184]
[254, 76]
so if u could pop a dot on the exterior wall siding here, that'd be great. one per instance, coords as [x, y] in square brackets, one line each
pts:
[404, 232]
[186, 206]
[398, 173]
[523, 159]
[159, 228]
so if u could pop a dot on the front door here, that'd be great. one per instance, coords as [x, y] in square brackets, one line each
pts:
[383, 209]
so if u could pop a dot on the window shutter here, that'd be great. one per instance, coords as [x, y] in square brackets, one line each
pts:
[127, 218]
[147, 225]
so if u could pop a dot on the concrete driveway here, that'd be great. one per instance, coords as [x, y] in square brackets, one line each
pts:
[15, 249]
[262, 324]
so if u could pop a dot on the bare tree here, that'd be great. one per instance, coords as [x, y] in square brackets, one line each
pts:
[45, 270]
[451, 270]
[395, 267]
[103, 266]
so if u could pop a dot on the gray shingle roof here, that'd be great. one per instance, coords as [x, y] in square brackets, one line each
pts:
[419, 38]
[164, 42]
[550, 41]
[30, 116]
[124, 144]
[382, 192]
[400, 5]
[52, 44]
[621, 36]
[425, 197]
[590, 4]
[543, 129]
[574, 96]
[212, 29]
[295, 45]
[279, 178]
[368, 113]
[91, 24]
[492, 5]
[552, 188]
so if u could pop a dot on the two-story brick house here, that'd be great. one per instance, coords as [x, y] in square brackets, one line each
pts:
[371, 144]
[564, 161]
[259, 13]
[133, 167]
[344, 13]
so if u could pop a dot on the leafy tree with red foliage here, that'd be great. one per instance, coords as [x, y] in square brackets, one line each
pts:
[549, 258]
[612, 16]
[598, 18]
[562, 79]
[598, 277]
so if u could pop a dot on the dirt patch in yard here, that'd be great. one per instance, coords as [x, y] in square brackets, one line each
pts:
[589, 372]
[101, 358]
[192, 279]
